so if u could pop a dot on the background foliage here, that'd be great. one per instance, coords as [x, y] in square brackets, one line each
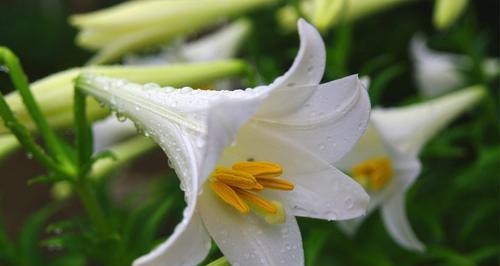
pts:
[453, 206]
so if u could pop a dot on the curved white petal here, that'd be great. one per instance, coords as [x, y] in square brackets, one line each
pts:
[396, 222]
[435, 73]
[326, 119]
[305, 72]
[409, 128]
[329, 122]
[221, 44]
[247, 240]
[321, 191]
[189, 248]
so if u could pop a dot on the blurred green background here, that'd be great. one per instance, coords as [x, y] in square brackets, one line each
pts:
[454, 205]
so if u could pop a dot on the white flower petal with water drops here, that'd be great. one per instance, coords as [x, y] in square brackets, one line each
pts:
[273, 158]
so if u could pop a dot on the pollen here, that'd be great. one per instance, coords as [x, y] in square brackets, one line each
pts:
[373, 174]
[240, 187]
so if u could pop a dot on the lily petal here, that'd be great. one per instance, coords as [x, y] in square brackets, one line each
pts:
[422, 121]
[436, 73]
[222, 44]
[188, 248]
[110, 130]
[305, 72]
[327, 119]
[247, 240]
[394, 216]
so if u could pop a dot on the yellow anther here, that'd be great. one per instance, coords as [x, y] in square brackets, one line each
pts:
[259, 169]
[259, 201]
[227, 194]
[280, 184]
[239, 187]
[235, 178]
[374, 174]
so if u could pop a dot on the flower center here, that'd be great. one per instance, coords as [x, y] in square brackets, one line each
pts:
[373, 174]
[239, 186]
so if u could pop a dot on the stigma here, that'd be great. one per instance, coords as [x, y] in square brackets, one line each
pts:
[373, 174]
[239, 186]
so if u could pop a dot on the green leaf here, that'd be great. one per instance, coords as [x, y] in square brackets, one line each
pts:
[28, 243]
[46, 179]
[314, 243]
[18, 78]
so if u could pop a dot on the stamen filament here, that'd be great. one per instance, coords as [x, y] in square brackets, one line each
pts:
[257, 200]
[279, 184]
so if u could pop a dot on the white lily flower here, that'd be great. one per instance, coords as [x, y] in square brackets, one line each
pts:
[438, 72]
[222, 44]
[296, 123]
[385, 160]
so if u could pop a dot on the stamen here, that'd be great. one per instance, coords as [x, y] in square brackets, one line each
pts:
[373, 174]
[280, 184]
[259, 169]
[239, 187]
[257, 200]
[227, 194]
[235, 178]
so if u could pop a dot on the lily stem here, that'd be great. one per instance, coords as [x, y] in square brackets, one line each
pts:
[91, 205]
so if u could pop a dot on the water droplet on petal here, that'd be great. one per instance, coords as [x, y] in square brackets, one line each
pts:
[120, 117]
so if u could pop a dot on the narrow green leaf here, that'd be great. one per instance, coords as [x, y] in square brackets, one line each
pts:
[20, 82]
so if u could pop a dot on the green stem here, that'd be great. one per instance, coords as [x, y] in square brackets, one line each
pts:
[20, 82]
[89, 201]
[83, 133]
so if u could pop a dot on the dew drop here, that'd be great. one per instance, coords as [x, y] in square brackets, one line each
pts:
[120, 117]
[349, 203]
[29, 155]
[150, 86]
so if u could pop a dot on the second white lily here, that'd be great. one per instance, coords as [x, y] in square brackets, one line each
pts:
[385, 160]
[250, 160]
